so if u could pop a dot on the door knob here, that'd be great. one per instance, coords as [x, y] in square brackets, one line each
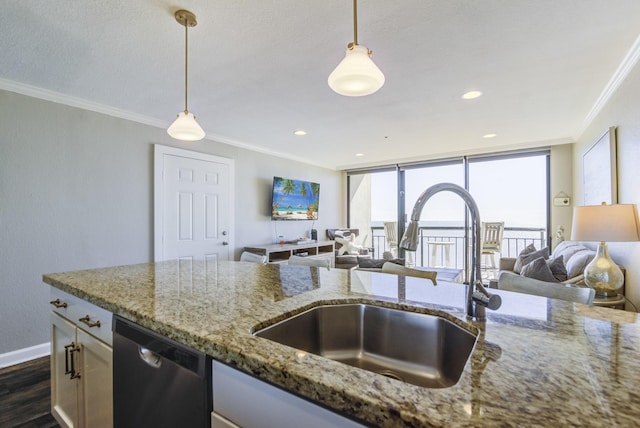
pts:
[225, 243]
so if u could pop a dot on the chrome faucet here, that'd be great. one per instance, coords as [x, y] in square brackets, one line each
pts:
[477, 296]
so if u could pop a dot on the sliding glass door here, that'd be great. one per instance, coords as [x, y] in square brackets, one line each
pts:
[513, 190]
[510, 188]
[373, 201]
[441, 240]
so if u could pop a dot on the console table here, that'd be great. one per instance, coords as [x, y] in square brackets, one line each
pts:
[277, 253]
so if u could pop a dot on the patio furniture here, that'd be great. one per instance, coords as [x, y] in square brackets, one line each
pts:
[444, 247]
[491, 242]
[391, 236]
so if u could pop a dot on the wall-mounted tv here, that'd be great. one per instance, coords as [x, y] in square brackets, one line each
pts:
[294, 199]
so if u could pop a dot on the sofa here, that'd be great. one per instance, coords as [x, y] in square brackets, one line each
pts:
[346, 260]
[537, 268]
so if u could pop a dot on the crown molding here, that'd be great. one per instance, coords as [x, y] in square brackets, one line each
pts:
[68, 100]
[624, 69]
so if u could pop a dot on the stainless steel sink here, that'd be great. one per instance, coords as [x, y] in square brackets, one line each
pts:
[421, 349]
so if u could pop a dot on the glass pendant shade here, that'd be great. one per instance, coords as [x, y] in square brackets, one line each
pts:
[356, 75]
[186, 128]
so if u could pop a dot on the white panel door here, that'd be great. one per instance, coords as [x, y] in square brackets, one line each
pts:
[194, 210]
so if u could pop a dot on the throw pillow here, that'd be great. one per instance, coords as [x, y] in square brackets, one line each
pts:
[569, 252]
[527, 250]
[578, 262]
[538, 269]
[557, 268]
[525, 259]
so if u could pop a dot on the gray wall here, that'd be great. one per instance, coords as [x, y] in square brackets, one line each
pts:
[76, 192]
[623, 111]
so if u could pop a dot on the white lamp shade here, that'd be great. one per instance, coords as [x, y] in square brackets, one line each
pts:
[186, 128]
[611, 223]
[356, 75]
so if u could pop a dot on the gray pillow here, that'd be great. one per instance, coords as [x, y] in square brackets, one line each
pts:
[538, 269]
[557, 268]
[527, 250]
[529, 257]
[578, 262]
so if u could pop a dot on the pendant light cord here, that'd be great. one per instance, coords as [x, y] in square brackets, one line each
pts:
[355, 22]
[186, 65]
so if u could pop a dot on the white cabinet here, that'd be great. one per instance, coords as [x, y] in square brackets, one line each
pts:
[81, 363]
[240, 400]
[278, 253]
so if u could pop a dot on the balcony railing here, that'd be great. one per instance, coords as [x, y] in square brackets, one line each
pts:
[515, 239]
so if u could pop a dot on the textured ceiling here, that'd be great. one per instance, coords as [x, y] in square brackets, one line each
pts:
[258, 69]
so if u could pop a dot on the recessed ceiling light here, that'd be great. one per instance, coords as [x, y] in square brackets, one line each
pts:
[471, 95]
[489, 135]
[359, 154]
[299, 132]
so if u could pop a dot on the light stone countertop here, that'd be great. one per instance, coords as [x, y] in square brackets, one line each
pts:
[538, 362]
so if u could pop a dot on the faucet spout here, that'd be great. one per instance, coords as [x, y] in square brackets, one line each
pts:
[476, 300]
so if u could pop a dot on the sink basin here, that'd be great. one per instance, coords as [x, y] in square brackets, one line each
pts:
[421, 349]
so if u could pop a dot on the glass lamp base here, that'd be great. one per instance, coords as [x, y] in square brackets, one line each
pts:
[602, 274]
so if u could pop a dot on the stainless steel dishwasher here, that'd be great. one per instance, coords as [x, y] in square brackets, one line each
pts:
[158, 382]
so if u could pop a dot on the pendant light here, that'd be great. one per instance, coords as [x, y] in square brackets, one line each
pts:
[185, 127]
[356, 75]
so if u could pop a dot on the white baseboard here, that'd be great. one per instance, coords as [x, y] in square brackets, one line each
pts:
[21, 355]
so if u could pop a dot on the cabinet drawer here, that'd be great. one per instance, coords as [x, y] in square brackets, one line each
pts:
[87, 316]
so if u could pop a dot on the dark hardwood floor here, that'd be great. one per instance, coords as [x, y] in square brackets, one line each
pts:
[25, 395]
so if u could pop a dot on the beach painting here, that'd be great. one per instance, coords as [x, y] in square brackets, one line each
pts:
[294, 199]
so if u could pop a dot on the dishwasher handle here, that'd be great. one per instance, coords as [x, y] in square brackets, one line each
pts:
[155, 349]
[149, 357]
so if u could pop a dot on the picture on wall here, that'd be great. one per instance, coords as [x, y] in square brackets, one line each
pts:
[599, 170]
[294, 199]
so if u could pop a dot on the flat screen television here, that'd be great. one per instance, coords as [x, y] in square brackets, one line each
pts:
[294, 199]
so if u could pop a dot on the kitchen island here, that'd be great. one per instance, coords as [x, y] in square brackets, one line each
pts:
[537, 362]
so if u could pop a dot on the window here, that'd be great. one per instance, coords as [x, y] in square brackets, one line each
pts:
[513, 188]
[373, 200]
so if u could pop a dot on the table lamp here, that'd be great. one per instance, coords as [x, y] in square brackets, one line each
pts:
[613, 223]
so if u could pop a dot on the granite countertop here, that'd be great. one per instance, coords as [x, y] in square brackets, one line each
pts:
[537, 361]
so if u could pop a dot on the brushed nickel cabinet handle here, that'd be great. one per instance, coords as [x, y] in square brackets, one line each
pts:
[87, 320]
[58, 304]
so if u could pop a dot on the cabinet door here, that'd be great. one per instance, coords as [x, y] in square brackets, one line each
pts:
[64, 390]
[96, 385]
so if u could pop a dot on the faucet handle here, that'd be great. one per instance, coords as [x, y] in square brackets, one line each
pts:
[492, 301]
[483, 297]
